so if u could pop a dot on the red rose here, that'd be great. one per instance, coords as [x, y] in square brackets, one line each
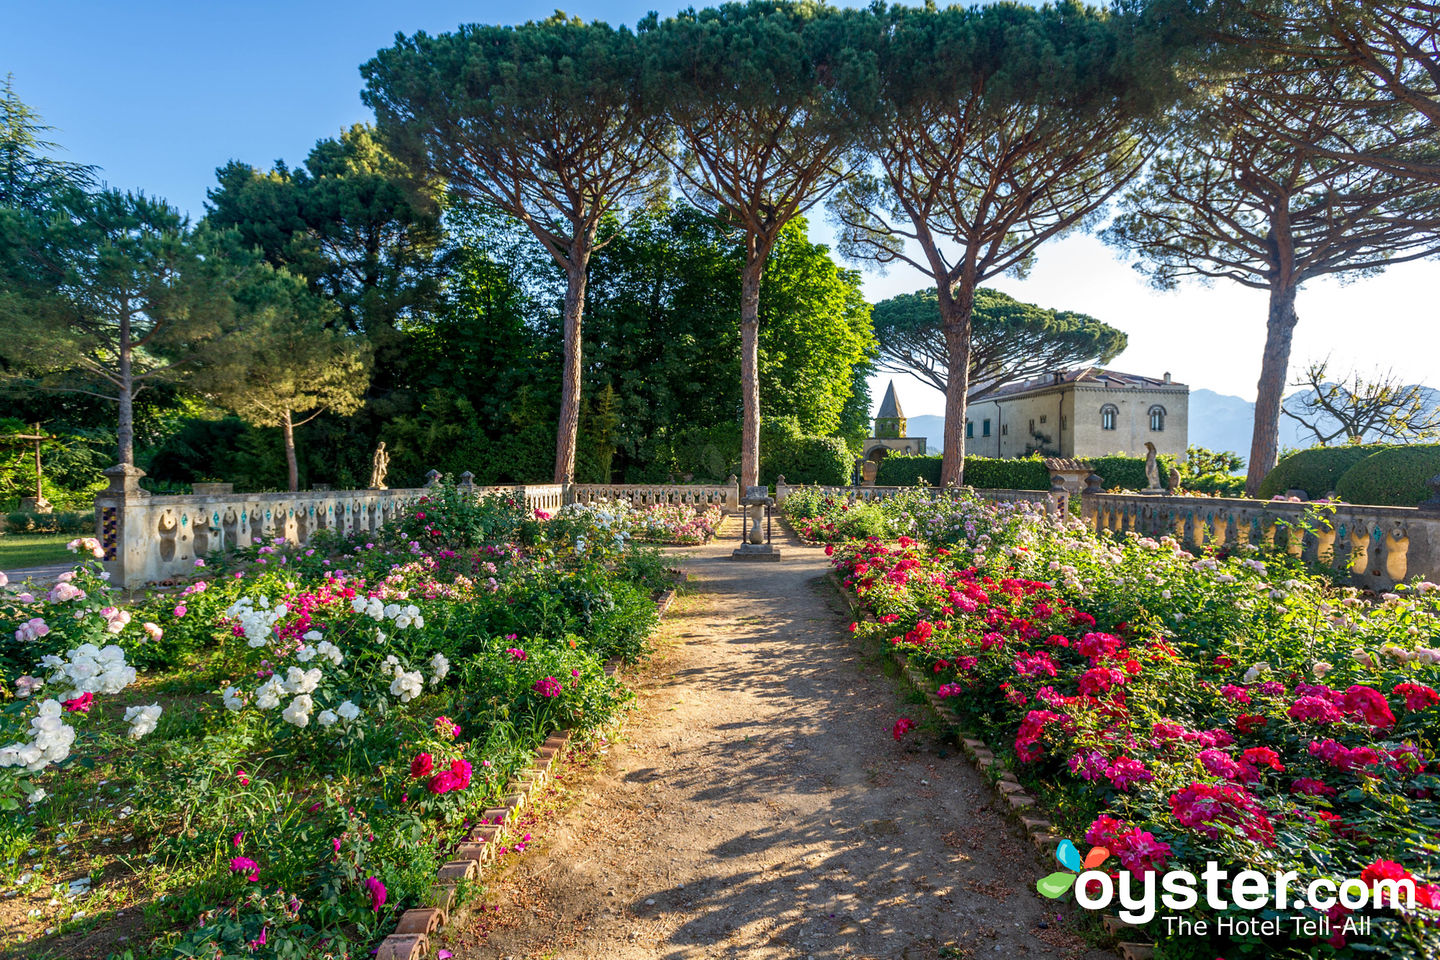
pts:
[421, 765]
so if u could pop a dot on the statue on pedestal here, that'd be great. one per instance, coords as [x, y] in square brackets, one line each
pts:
[379, 466]
[1152, 468]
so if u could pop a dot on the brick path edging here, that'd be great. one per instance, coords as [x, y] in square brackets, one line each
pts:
[411, 939]
[1011, 798]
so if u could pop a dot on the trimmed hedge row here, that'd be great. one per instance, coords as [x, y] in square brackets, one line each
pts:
[1394, 476]
[1317, 470]
[990, 473]
[1019, 473]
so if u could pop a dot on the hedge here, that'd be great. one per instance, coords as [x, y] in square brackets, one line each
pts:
[1394, 476]
[1317, 471]
[823, 460]
[1128, 473]
[78, 522]
[1015, 473]
[1224, 484]
[989, 473]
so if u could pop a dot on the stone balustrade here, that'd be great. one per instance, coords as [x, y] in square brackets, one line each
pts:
[1374, 547]
[150, 538]
[726, 495]
[1055, 501]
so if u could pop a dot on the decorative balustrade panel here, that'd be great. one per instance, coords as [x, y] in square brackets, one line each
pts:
[1374, 547]
[152, 538]
[724, 496]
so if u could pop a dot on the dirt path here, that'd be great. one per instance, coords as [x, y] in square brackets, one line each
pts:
[758, 807]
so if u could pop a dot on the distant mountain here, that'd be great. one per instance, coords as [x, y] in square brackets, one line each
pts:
[930, 427]
[1217, 422]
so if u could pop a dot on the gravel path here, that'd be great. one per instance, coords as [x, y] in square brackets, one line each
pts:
[758, 807]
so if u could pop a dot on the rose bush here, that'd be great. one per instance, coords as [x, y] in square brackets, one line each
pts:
[263, 767]
[1177, 708]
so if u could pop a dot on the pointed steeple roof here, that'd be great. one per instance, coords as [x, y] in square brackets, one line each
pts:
[890, 406]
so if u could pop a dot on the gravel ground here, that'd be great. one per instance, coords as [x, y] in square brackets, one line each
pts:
[757, 806]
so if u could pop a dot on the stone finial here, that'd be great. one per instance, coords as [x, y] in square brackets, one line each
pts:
[1433, 504]
[1057, 483]
[780, 480]
[467, 479]
[432, 478]
[732, 480]
[1094, 483]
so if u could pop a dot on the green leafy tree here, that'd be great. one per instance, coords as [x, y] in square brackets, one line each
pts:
[542, 121]
[360, 226]
[1391, 43]
[752, 90]
[1010, 340]
[663, 333]
[996, 129]
[284, 364]
[29, 176]
[1235, 199]
[1200, 462]
[111, 295]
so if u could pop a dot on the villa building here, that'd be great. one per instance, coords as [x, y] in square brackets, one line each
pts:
[1089, 412]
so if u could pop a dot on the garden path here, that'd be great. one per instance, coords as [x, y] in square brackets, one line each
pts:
[757, 806]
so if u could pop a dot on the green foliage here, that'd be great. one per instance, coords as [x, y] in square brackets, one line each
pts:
[786, 452]
[1317, 471]
[450, 516]
[1128, 473]
[1010, 340]
[75, 522]
[30, 177]
[1395, 476]
[900, 470]
[1223, 484]
[1199, 462]
[987, 473]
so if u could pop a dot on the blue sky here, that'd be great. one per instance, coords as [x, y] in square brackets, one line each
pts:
[160, 94]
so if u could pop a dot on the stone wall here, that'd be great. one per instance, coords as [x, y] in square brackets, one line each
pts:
[1373, 547]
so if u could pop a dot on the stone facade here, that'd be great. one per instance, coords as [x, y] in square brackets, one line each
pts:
[1081, 413]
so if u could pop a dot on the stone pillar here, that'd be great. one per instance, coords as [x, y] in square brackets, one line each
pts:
[122, 526]
[781, 490]
[732, 492]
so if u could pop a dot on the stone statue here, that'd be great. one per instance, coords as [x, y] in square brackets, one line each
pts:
[379, 466]
[1152, 468]
[1174, 480]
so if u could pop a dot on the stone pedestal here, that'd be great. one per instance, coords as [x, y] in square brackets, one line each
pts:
[755, 526]
[36, 505]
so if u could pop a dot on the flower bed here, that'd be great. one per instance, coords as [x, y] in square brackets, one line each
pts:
[678, 524]
[309, 733]
[1177, 709]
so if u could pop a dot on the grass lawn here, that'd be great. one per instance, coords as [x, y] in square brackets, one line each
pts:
[20, 550]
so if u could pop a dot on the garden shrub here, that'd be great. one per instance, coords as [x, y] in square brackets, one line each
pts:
[787, 452]
[1224, 484]
[452, 516]
[901, 470]
[986, 473]
[994, 473]
[1317, 471]
[1394, 476]
[70, 521]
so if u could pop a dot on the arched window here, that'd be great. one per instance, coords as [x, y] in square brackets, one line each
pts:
[1109, 416]
[1157, 418]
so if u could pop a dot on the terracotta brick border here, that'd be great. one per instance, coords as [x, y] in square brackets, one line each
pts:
[1009, 796]
[411, 939]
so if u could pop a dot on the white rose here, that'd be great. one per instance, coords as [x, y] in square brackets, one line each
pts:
[327, 718]
[348, 711]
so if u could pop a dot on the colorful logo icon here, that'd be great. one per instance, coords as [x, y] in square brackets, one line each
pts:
[1056, 884]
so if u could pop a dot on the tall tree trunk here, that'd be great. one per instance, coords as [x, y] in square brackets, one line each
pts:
[955, 316]
[291, 464]
[1270, 392]
[125, 426]
[569, 425]
[755, 256]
